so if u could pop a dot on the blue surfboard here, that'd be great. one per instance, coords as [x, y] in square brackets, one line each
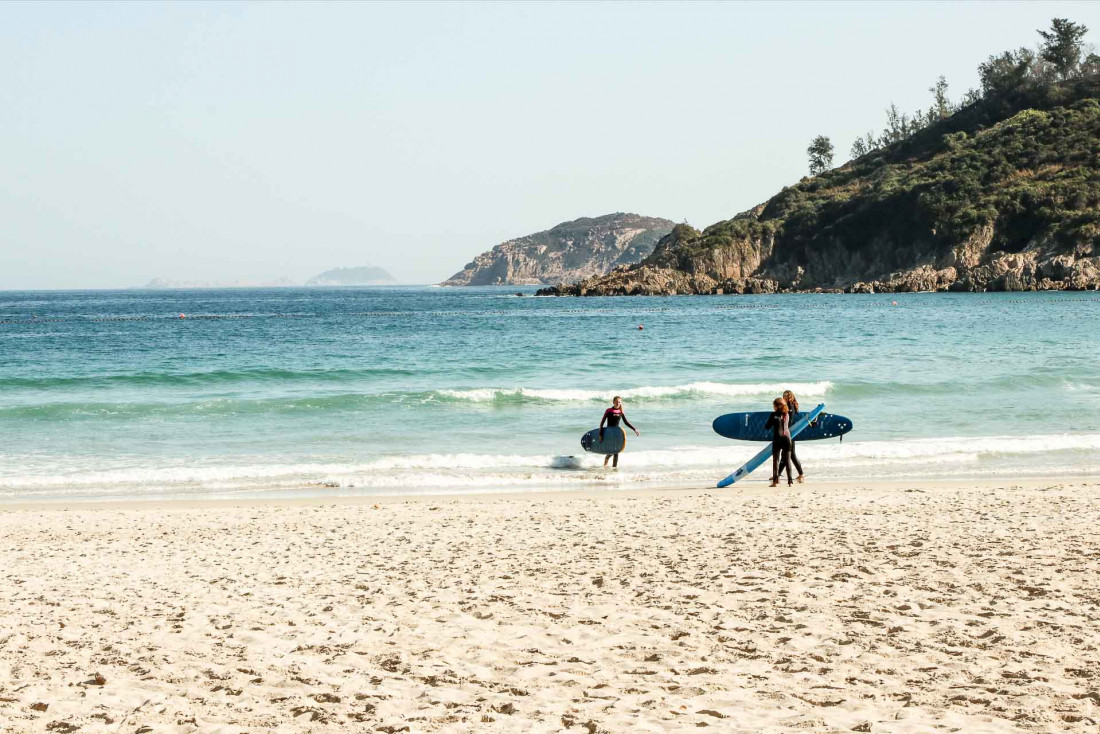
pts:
[752, 464]
[614, 441]
[750, 426]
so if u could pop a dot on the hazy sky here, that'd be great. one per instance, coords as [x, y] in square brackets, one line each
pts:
[237, 141]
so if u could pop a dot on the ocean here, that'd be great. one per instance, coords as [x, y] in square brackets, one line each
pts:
[139, 394]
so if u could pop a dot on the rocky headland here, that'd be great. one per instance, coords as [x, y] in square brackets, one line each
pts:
[1003, 195]
[570, 251]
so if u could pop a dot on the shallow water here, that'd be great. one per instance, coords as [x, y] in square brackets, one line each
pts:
[383, 390]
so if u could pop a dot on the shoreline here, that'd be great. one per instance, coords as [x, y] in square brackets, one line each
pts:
[546, 292]
[754, 488]
[754, 286]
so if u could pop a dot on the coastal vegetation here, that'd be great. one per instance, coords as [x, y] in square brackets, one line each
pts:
[998, 192]
[821, 155]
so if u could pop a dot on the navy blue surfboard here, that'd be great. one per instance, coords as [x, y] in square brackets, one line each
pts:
[797, 429]
[750, 426]
[614, 441]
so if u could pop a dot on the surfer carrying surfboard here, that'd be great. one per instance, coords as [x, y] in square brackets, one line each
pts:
[611, 418]
[792, 407]
[779, 422]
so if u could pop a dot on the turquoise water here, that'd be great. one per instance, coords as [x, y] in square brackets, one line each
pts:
[410, 390]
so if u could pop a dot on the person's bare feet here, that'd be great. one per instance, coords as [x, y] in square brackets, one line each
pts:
[775, 483]
[800, 479]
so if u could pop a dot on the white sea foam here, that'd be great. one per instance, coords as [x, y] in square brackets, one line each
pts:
[469, 472]
[939, 448]
[946, 449]
[649, 392]
[215, 476]
[570, 462]
[1083, 391]
[457, 461]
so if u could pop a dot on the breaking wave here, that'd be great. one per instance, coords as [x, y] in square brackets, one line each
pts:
[654, 392]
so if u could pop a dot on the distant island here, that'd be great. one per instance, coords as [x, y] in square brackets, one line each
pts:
[998, 193]
[364, 275]
[170, 284]
[569, 251]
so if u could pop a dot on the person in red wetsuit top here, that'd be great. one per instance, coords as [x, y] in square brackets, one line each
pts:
[611, 417]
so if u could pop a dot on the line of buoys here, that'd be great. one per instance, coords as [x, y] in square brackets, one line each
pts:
[105, 319]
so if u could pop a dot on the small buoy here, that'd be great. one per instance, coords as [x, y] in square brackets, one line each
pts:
[640, 327]
[893, 303]
[182, 316]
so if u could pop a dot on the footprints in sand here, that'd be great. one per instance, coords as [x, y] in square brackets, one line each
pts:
[827, 611]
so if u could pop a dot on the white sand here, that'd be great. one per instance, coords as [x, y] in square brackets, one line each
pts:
[888, 608]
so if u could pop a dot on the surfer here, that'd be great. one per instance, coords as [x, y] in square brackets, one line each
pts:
[611, 417]
[792, 407]
[779, 422]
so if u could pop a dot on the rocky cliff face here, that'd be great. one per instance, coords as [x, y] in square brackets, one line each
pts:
[1009, 206]
[571, 251]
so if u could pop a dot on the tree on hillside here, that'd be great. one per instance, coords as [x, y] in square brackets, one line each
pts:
[1062, 46]
[1090, 67]
[941, 105]
[898, 126]
[863, 146]
[1006, 73]
[821, 155]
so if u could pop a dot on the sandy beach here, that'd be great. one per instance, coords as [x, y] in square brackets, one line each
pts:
[952, 606]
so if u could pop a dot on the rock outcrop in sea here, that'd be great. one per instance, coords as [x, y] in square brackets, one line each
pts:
[582, 248]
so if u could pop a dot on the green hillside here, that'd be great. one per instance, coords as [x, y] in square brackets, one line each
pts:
[1003, 194]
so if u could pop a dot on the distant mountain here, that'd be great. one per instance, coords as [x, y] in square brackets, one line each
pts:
[365, 275]
[570, 251]
[168, 283]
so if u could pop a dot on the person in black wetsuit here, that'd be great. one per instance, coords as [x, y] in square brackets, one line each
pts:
[779, 422]
[611, 417]
[792, 407]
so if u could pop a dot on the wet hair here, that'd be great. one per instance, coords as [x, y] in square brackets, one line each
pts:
[616, 399]
[780, 405]
[790, 400]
